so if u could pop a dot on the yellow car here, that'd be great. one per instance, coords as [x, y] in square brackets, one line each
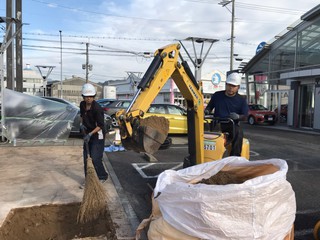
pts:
[176, 115]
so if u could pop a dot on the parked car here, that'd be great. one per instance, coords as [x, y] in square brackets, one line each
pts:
[260, 114]
[75, 130]
[176, 115]
[113, 107]
[104, 102]
[283, 112]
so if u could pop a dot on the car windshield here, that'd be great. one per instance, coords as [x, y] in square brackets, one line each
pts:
[258, 107]
[157, 109]
[105, 102]
[175, 110]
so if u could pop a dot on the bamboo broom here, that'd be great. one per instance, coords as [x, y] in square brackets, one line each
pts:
[94, 201]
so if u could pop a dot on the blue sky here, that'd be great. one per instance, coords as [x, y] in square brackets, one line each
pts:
[119, 31]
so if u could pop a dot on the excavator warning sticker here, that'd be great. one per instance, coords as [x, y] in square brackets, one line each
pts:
[209, 145]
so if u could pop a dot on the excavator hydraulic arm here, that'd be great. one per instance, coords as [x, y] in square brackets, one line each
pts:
[147, 135]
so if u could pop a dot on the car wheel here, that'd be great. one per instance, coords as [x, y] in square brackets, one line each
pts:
[114, 121]
[3, 139]
[251, 120]
[316, 231]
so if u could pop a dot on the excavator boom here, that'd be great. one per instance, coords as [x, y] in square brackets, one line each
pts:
[147, 134]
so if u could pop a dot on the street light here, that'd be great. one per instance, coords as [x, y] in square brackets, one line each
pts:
[45, 76]
[198, 62]
[225, 3]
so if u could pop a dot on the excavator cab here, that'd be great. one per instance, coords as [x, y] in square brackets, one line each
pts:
[218, 141]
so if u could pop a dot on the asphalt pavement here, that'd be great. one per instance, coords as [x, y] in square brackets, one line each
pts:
[137, 173]
[28, 157]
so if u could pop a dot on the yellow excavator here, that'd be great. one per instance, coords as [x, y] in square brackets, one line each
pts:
[147, 134]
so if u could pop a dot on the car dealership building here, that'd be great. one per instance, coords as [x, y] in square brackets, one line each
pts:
[287, 71]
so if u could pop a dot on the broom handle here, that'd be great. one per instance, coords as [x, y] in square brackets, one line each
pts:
[87, 148]
[86, 143]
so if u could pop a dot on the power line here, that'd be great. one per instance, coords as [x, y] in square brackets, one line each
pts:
[73, 9]
[101, 37]
[256, 7]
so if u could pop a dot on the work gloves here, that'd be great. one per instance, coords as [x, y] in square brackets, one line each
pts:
[234, 116]
[83, 128]
[87, 137]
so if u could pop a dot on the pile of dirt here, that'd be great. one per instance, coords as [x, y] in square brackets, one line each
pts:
[159, 123]
[222, 178]
[148, 134]
[54, 222]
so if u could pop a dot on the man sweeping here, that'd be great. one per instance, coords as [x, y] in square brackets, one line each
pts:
[92, 126]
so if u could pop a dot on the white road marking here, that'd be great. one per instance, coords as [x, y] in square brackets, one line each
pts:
[141, 166]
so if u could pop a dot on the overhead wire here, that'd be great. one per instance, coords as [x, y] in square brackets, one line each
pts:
[257, 7]
[126, 53]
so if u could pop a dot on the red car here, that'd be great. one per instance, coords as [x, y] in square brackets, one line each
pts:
[260, 114]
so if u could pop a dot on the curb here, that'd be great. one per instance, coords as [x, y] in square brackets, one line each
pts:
[120, 203]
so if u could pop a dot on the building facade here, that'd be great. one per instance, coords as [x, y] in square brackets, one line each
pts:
[70, 89]
[287, 72]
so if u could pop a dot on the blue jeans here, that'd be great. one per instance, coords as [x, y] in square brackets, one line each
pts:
[96, 149]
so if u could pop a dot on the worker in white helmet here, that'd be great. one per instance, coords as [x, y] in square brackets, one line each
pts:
[229, 104]
[92, 126]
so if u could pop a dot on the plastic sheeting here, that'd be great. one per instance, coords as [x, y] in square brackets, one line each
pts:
[262, 207]
[34, 118]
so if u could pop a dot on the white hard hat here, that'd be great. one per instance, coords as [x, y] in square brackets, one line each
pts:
[234, 79]
[88, 90]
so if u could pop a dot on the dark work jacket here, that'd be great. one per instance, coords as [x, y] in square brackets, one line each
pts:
[224, 105]
[93, 117]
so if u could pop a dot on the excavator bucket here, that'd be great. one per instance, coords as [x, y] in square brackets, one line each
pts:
[148, 135]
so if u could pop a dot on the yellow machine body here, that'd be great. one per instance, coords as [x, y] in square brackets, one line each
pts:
[146, 138]
[215, 147]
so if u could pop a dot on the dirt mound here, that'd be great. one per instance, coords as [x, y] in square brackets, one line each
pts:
[159, 123]
[222, 178]
[54, 222]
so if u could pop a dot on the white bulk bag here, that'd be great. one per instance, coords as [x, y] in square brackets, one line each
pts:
[262, 207]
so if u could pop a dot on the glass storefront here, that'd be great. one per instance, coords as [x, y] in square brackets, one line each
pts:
[292, 57]
[306, 108]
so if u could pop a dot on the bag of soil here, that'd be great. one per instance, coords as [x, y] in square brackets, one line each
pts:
[232, 198]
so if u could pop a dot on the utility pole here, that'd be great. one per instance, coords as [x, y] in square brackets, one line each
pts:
[3, 47]
[14, 49]
[19, 72]
[87, 62]
[224, 3]
[9, 52]
[60, 64]
[232, 37]
[87, 66]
